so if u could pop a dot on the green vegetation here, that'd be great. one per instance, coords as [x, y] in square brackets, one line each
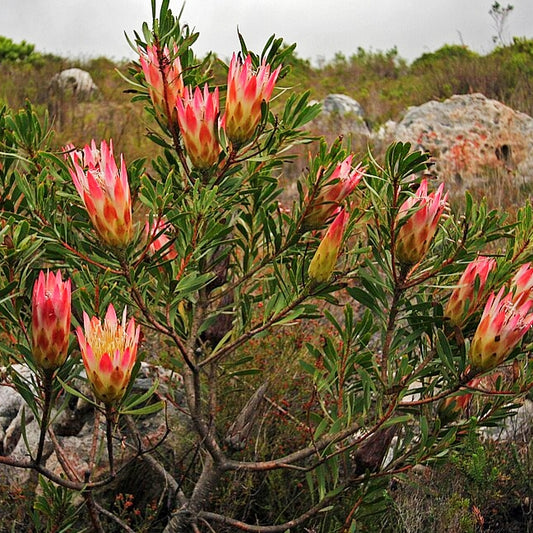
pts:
[381, 81]
[354, 361]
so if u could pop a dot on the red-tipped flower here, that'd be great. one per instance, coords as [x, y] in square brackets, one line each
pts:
[453, 406]
[323, 262]
[158, 239]
[247, 89]
[163, 74]
[326, 204]
[417, 228]
[50, 320]
[522, 283]
[198, 116]
[464, 300]
[105, 191]
[502, 325]
[109, 351]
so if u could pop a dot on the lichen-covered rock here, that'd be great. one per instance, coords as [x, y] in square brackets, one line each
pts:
[470, 135]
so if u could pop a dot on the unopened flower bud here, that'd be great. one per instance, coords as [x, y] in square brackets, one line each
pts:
[326, 204]
[163, 74]
[198, 116]
[51, 314]
[247, 90]
[418, 220]
[501, 327]
[464, 299]
[323, 262]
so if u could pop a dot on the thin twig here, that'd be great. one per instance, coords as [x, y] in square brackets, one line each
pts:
[48, 379]
[113, 517]
[110, 419]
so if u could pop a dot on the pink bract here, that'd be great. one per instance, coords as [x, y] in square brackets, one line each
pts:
[105, 191]
[247, 90]
[109, 351]
[522, 283]
[326, 204]
[418, 220]
[51, 315]
[503, 324]
[464, 301]
[198, 118]
[163, 74]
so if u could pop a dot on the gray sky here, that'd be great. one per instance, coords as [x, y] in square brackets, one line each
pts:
[91, 28]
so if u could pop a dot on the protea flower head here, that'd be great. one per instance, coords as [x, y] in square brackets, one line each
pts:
[198, 117]
[163, 74]
[108, 351]
[417, 228]
[323, 262]
[326, 204]
[51, 314]
[453, 406]
[502, 325]
[247, 90]
[105, 191]
[464, 300]
[522, 283]
[156, 234]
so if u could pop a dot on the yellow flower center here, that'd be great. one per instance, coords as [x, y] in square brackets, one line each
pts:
[107, 339]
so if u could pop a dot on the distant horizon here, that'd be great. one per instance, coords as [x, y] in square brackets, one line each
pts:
[318, 63]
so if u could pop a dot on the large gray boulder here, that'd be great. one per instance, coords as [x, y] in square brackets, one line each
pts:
[471, 138]
[75, 82]
[343, 105]
[67, 91]
[341, 115]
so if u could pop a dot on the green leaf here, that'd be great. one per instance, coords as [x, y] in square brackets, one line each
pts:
[444, 352]
[141, 411]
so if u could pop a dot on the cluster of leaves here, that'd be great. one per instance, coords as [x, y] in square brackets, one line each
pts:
[11, 51]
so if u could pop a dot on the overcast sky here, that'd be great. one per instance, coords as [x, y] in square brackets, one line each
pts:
[90, 28]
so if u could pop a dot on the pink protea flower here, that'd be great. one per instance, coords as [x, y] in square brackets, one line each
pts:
[198, 117]
[158, 238]
[163, 74]
[326, 204]
[323, 262]
[522, 283]
[463, 302]
[105, 191]
[50, 320]
[453, 406]
[418, 228]
[247, 89]
[108, 351]
[502, 325]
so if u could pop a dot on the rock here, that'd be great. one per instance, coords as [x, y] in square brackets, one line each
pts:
[343, 105]
[341, 115]
[74, 81]
[73, 425]
[386, 132]
[66, 91]
[516, 428]
[468, 135]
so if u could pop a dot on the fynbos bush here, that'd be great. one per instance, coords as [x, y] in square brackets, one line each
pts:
[418, 311]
